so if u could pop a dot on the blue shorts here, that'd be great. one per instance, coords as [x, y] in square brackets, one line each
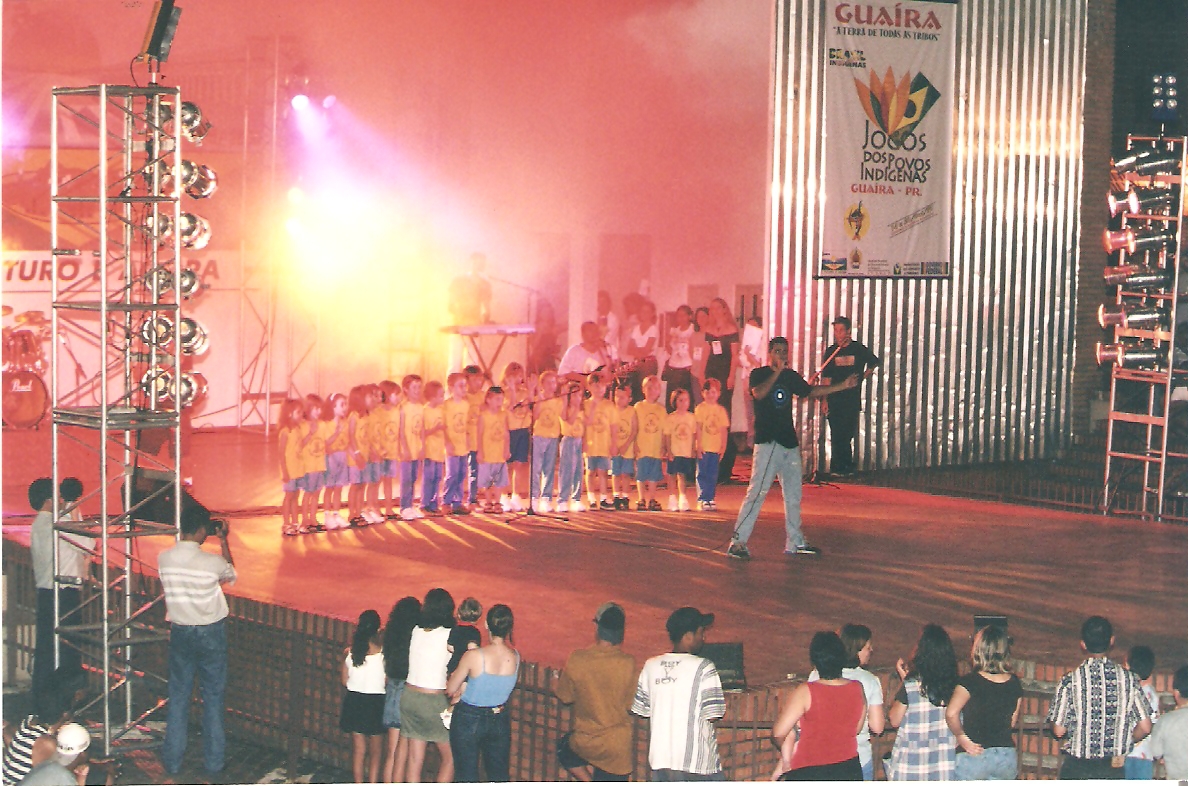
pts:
[622, 466]
[355, 475]
[337, 472]
[312, 481]
[492, 475]
[519, 439]
[373, 472]
[684, 466]
[598, 463]
[390, 468]
[290, 486]
[649, 469]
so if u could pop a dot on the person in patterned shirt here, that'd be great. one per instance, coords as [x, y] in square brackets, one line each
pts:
[1099, 710]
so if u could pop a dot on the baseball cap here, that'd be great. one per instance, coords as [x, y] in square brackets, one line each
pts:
[686, 620]
[843, 321]
[610, 616]
[73, 739]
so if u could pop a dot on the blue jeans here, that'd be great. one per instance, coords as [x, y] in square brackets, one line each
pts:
[431, 483]
[481, 730]
[200, 649]
[868, 770]
[1137, 769]
[544, 465]
[707, 477]
[772, 460]
[408, 482]
[994, 764]
[571, 469]
[456, 475]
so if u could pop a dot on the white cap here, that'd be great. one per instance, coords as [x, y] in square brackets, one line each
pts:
[73, 739]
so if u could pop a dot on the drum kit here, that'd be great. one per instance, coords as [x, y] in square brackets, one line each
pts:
[24, 396]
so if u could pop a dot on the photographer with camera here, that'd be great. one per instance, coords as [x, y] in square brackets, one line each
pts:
[196, 608]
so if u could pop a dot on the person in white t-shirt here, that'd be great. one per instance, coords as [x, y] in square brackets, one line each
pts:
[856, 639]
[682, 695]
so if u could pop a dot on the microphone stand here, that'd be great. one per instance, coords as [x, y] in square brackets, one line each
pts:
[529, 511]
[816, 477]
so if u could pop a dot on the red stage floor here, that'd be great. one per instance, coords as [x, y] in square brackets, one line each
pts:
[892, 560]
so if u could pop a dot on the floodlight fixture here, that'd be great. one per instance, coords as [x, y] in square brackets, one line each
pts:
[1137, 277]
[1148, 162]
[1165, 97]
[1143, 355]
[1132, 240]
[158, 39]
[162, 279]
[198, 180]
[194, 125]
[1122, 315]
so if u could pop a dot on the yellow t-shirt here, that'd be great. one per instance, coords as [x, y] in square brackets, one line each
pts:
[476, 401]
[313, 455]
[518, 416]
[363, 427]
[435, 443]
[576, 428]
[624, 426]
[713, 424]
[548, 418]
[457, 420]
[340, 442]
[600, 414]
[412, 425]
[680, 427]
[493, 448]
[649, 442]
[385, 432]
[289, 439]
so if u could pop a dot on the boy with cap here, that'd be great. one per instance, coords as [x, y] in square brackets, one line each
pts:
[683, 745]
[599, 681]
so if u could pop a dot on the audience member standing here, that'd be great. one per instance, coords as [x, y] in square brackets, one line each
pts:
[1169, 741]
[397, 635]
[196, 608]
[984, 708]
[856, 640]
[1099, 710]
[1140, 765]
[599, 681]
[424, 699]
[363, 698]
[682, 695]
[924, 746]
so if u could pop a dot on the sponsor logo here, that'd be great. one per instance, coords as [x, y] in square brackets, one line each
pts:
[857, 221]
[897, 107]
[831, 266]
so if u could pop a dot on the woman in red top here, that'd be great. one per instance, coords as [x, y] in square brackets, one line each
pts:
[829, 712]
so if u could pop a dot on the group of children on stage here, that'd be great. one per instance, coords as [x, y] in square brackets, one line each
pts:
[491, 445]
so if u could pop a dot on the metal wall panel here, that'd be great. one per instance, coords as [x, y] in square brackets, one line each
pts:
[977, 368]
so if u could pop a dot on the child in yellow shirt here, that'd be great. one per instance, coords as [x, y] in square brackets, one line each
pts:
[435, 446]
[517, 400]
[600, 418]
[680, 433]
[456, 414]
[292, 471]
[713, 429]
[412, 447]
[493, 450]
[649, 445]
[337, 466]
[476, 396]
[386, 430]
[546, 437]
[569, 464]
[623, 458]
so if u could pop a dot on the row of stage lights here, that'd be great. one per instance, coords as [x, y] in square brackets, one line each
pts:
[1147, 270]
[197, 181]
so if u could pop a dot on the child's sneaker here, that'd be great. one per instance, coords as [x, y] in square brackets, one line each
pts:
[409, 514]
[505, 505]
[672, 504]
[654, 506]
[515, 503]
[545, 505]
[578, 507]
[703, 505]
[606, 504]
[682, 504]
[562, 506]
[641, 505]
[459, 510]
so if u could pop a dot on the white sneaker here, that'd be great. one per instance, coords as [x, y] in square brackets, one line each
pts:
[515, 503]
[672, 503]
[703, 506]
[372, 517]
[505, 504]
[334, 520]
[682, 504]
[543, 505]
[578, 507]
[591, 501]
[409, 514]
[562, 506]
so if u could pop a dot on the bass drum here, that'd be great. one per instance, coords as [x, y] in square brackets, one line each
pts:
[24, 399]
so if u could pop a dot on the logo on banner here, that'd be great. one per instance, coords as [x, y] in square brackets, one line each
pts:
[856, 259]
[857, 221]
[897, 108]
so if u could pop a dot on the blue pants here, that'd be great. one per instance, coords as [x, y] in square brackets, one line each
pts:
[707, 477]
[201, 650]
[408, 481]
[431, 484]
[481, 730]
[472, 460]
[456, 474]
[993, 764]
[772, 460]
[544, 464]
[570, 469]
[1136, 769]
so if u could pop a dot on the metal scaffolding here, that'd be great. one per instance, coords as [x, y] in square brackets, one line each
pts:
[115, 204]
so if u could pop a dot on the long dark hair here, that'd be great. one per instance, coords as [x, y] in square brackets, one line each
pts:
[935, 664]
[369, 625]
[438, 610]
[397, 633]
[500, 622]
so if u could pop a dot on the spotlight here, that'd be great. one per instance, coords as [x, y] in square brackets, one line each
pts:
[1141, 355]
[1137, 277]
[162, 279]
[300, 102]
[157, 331]
[189, 388]
[1148, 162]
[194, 230]
[193, 387]
[1143, 317]
[198, 180]
[194, 127]
[1130, 240]
[1165, 94]
[1145, 200]
[156, 380]
[194, 338]
[1120, 201]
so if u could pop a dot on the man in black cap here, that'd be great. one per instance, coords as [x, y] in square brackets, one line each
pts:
[682, 695]
[846, 358]
[599, 681]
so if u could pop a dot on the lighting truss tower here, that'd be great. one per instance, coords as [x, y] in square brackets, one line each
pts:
[116, 213]
[1142, 441]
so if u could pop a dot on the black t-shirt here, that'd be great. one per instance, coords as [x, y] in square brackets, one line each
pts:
[851, 360]
[986, 717]
[721, 351]
[773, 412]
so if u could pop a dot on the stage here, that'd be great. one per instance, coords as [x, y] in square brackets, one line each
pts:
[892, 560]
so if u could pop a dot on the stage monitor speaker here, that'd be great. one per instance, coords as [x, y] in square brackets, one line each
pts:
[148, 483]
[727, 658]
[983, 620]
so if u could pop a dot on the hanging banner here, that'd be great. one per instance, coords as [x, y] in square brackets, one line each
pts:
[889, 90]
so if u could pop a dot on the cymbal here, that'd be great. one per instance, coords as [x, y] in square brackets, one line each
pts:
[32, 318]
[5, 311]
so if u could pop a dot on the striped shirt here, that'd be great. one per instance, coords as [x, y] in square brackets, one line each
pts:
[18, 756]
[682, 694]
[1100, 703]
[193, 581]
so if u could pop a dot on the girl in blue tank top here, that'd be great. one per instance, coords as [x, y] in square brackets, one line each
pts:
[481, 687]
